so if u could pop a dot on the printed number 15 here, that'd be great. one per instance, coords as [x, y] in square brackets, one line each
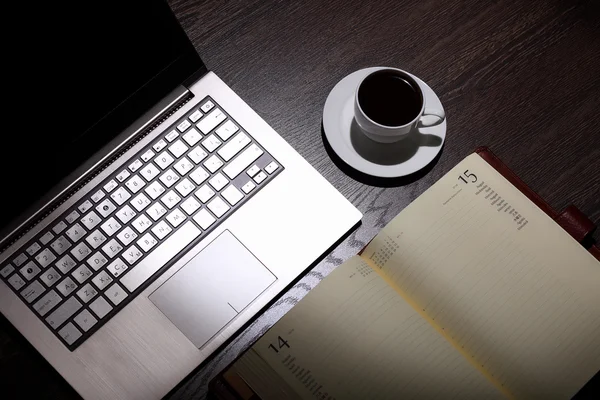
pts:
[466, 177]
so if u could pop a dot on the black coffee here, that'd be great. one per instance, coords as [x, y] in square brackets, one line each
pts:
[389, 98]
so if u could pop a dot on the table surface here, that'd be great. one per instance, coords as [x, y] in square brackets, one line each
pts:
[520, 76]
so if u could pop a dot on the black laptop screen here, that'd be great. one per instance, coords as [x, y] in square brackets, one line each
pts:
[92, 68]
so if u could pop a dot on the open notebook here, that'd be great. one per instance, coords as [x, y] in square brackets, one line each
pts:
[470, 292]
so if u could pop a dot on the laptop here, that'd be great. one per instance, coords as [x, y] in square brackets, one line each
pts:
[151, 213]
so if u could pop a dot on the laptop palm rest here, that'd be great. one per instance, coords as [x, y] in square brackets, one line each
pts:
[212, 288]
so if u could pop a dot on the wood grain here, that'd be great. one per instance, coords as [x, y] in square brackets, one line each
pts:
[520, 76]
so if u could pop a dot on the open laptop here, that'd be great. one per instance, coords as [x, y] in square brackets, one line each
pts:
[161, 213]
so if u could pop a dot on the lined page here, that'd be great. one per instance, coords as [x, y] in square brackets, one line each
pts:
[504, 282]
[354, 337]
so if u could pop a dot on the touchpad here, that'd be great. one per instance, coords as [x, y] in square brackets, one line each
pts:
[211, 289]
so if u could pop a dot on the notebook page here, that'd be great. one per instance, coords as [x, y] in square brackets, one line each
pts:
[353, 337]
[504, 282]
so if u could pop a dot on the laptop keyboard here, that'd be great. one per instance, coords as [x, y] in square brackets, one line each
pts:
[98, 255]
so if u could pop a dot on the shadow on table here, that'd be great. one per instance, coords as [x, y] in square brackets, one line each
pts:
[383, 154]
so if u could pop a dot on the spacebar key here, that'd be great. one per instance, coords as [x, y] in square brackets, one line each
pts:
[160, 256]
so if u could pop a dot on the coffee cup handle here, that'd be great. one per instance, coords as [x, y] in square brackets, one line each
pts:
[432, 111]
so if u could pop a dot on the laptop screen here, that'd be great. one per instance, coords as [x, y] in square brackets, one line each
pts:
[92, 67]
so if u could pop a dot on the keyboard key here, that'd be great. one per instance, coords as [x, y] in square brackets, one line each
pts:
[183, 166]
[226, 130]
[147, 242]
[96, 197]
[16, 281]
[127, 236]
[171, 199]
[47, 303]
[218, 207]
[197, 154]
[261, 176]
[211, 143]
[213, 164]
[199, 175]
[248, 186]
[178, 148]
[272, 167]
[232, 195]
[183, 125]
[63, 312]
[81, 251]
[158, 146]
[91, 220]
[156, 211]
[85, 206]
[192, 137]
[69, 333]
[162, 254]
[164, 160]
[46, 238]
[95, 239]
[97, 261]
[60, 245]
[85, 320]
[154, 190]
[195, 116]
[147, 156]
[210, 121]
[135, 184]
[234, 146]
[132, 254]
[30, 270]
[66, 287]
[72, 217]
[45, 257]
[112, 248]
[50, 277]
[185, 187]
[102, 280]
[176, 217]
[142, 222]
[116, 294]
[33, 291]
[58, 228]
[110, 186]
[100, 307]
[134, 166]
[218, 181]
[34, 248]
[123, 175]
[172, 135]
[87, 292]
[204, 219]
[206, 107]
[65, 264]
[125, 214]
[81, 273]
[120, 196]
[242, 161]
[204, 193]
[106, 208]
[161, 230]
[75, 232]
[7, 270]
[149, 172]
[111, 226]
[169, 178]
[20, 259]
[190, 205]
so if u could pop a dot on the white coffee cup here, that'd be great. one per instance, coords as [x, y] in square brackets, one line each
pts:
[393, 106]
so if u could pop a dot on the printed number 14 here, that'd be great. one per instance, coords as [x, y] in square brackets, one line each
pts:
[282, 343]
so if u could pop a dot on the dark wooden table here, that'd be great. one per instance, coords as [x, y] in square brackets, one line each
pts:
[521, 76]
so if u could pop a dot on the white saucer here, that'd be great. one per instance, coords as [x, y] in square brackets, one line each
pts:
[389, 160]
